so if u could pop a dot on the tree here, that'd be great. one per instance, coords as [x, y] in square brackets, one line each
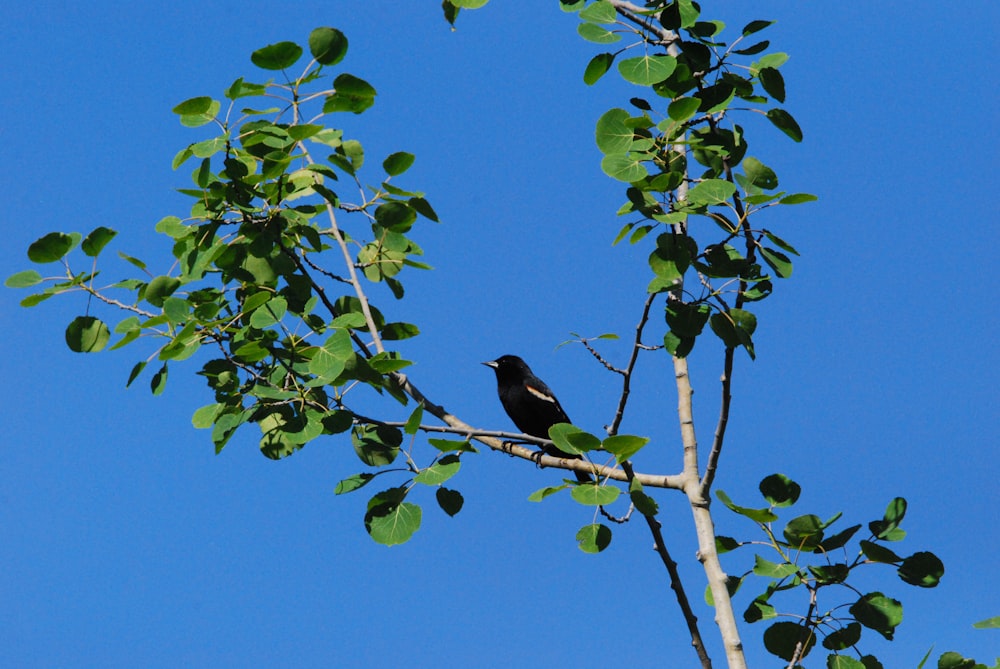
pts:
[248, 267]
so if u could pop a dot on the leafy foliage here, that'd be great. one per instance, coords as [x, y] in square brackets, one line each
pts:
[806, 556]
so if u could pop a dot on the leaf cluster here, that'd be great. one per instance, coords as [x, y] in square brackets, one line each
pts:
[806, 555]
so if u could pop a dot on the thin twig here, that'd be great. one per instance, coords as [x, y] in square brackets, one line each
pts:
[627, 374]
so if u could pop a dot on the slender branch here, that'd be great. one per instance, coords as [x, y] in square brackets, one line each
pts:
[627, 373]
[720, 427]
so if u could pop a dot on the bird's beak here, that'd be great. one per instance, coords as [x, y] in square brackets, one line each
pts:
[491, 363]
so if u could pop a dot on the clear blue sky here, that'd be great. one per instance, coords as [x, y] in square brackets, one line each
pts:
[125, 542]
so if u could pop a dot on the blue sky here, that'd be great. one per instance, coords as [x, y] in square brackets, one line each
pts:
[126, 542]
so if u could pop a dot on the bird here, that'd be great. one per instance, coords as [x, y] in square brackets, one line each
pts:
[530, 403]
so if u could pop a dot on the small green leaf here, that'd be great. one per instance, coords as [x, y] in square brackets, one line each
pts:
[624, 446]
[798, 198]
[572, 440]
[97, 240]
[350, 94]
[773, 83]
[134, 374]
[711, 191]
[758, 515]
[626, 167]
[159, 381]
[276, 56]
[923, 569]
[450, 501]
[878, 612]
[601, 11]
[770, 569]
[682, 109]
[52, 247]
[778, 261]
[644, 504]
[844, 638]
[646, 70]
[593, 538]
[988, 623]
[784, 122]
[413, 422]
[612, 134]
[877, 553]
[389, 521]
[376, 446]
[755, 26]
[778, 241]
[838, 540]
[86, 334]
[397, 163]
[270, 313]
[542, 493]
[440, 471]
[804, 532]
[205, 417]
[597, 68]
[779, 490]
[785, 638]
[159, 289]
[23, 279]
[452, 445]
[327, 45]
[592, 494]
[758, 174]
[597, 34]
[352, 483]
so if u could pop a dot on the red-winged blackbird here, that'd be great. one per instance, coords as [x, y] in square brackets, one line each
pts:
[530, 403]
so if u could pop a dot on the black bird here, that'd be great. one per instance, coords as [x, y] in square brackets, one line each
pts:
[530, 403]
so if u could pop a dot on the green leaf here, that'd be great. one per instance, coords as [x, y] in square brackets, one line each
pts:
[593, 538]
[779, 490]
[270, 313]
[592, 494]
[838, 540]
[327, 45]
[758, 174]
[778, 241]
[600, 11]
[988, 623]
[785, 123]
[469, 4]
[450, 501]
[572, 440]
[350, 94]
[758, 515]
[923, 569]
[397, 331]
[52, 247]
[23, 279]
[542, 493]
[389, 520]
[644, 504]
[623, 446]
[877, 553]
[878, 612]
[352, 483]
[805, 532]
[735, 328]
[844, 662]
[798, 198]
[778, 261]
[844, 638]
[376, 446]
[624, 167]
[773, 83]
[682, 109]
[755, 26]
[953, 660]
[413, 422]
[136, 370]
[597, 34]
[783, 639]
[276, 56]
[725, 544]
[770, 569]
[830, 573]
[612, 134]
[440, 471]
[159, 289]
[86, 334]
[397, 163]
[894, 513]
[646, 70]
[197, 112]
[97, 240]
[450, 445]
[711, 191]
[759, 609]
[159, 381]
[597, 68]
[205, 417]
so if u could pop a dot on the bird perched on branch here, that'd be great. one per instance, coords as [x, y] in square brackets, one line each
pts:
[530, 403]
